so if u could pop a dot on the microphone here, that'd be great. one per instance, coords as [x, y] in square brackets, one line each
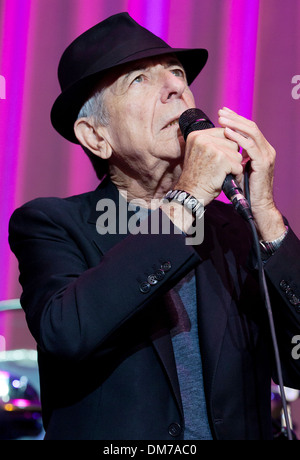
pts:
[196, 120]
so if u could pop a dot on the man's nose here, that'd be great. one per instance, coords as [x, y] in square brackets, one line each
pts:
[172, 86]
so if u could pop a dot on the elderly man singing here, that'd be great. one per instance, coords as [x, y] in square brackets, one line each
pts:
[140, 335]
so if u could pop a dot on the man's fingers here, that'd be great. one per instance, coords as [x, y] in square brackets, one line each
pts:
[216, 136]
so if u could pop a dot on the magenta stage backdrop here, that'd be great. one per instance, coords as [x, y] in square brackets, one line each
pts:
[253, 68]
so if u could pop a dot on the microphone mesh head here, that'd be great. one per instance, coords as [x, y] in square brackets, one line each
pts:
[193, 120]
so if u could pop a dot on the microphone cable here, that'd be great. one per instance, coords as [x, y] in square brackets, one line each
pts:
[266, 298]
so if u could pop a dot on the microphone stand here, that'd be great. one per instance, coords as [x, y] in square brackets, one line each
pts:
[265, 295]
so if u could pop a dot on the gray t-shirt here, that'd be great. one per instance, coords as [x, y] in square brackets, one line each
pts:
[182, 306]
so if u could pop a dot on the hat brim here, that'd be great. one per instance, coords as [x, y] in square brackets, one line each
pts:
[68, 104]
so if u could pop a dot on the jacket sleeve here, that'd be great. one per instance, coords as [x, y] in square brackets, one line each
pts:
[283, 272]
[73, 310]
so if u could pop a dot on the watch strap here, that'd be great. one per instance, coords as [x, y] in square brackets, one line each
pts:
[270, 247]
[187, 200]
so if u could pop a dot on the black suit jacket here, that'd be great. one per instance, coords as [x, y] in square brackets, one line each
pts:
[106, 361]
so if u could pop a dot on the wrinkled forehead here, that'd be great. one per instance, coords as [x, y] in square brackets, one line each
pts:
[164, 60]
[118, 74]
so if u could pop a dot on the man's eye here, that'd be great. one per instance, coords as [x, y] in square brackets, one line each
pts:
[178, 72]
[138, 79]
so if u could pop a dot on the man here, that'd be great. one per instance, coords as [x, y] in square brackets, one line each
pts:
[141, 335]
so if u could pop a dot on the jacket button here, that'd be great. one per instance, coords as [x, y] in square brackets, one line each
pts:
[294, 300]
[159, 274]
[284, 285]
[166, 266]
[145, 287]
[174, 429]
[152, 280]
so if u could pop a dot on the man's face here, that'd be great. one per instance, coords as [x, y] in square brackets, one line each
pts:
[144, 105]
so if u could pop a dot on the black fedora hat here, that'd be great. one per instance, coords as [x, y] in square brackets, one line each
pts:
[115, 41]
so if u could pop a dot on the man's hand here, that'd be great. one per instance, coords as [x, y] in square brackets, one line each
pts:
[209, 157]
[261, 154]
[212, 154]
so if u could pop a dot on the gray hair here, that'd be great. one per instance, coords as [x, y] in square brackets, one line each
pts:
[95, 108]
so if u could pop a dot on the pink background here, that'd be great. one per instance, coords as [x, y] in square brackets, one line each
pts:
[254, 49]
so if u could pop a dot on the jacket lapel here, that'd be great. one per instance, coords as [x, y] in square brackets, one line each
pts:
[108, 216]
[215, 288]
[161, 341]
[213, 302]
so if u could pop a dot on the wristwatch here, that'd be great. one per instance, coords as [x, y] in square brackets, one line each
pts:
[270, 247]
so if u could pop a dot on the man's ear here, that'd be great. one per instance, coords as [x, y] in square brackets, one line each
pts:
[92, 138]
